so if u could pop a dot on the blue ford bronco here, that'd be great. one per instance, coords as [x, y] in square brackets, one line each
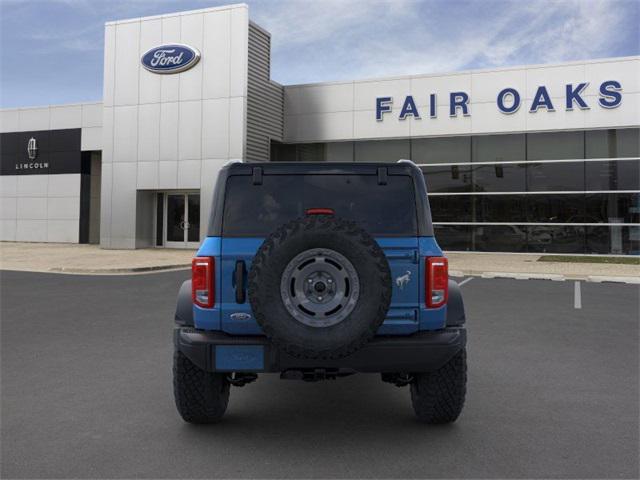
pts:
[317, 271]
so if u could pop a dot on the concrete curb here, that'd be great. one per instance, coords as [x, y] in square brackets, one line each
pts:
[599, 279]
[525, 276]
[106, 271]
[548, 276]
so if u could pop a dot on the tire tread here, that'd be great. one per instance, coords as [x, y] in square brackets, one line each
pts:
[200, 396]
[438, 397]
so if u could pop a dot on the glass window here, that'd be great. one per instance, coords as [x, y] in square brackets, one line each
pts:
[159, 218]
[548, 177]
[175, 218]
[614, 240]
[628, 142]
[310, 152]
[613, 208]
[193, 234]
[613, 175]
[499, 148]
[257, 210]
[499, 178]
[612, 143]
[441, 150]
[382, 150]
[555, 208]
[499, 208]
[500, 238]
[556, 239]
[451, 208]
[453, 237]
[535, 238]
[339, 152]
[281, 152]
[447, 178]
[555, 145]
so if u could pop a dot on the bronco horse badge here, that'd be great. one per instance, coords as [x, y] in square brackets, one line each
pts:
[402, 280]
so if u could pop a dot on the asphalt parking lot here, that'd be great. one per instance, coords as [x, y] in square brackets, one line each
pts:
[86, 392]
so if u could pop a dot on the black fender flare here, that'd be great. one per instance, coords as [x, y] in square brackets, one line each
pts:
[184, 306]
[455, 306]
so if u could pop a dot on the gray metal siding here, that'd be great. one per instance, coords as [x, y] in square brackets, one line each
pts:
[265, 99]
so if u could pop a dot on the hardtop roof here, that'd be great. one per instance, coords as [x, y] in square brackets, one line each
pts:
[327, 168]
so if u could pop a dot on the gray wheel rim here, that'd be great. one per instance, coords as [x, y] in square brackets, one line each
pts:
[320, 287]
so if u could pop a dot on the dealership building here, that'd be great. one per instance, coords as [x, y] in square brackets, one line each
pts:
[541, 158]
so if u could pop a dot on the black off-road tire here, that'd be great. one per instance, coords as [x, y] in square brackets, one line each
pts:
[201, 397]
[357, 246]
[438, 397]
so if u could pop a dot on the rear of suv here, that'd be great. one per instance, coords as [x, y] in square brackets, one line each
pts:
[318, 271]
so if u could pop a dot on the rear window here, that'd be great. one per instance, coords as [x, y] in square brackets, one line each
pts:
[257, 210]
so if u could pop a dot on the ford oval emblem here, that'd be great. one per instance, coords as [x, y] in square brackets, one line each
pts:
[173, 58]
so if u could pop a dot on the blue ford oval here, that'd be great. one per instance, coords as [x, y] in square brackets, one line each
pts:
[173, 58]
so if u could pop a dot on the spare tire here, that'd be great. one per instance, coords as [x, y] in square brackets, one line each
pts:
[320, 287]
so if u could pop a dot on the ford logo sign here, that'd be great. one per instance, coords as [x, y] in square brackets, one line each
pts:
[173, 58]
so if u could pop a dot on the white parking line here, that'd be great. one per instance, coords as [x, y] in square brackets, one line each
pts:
[577, 296]
[545, 276]
[465, 281]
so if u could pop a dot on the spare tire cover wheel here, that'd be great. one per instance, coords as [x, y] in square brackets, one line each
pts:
[320, 286]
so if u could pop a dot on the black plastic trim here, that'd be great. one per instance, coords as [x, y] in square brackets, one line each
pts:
[239, 276]
[420, 352]
[184, 305]
[455, 306]
[215, 219]
[382, 176]
[85, 207]
[257, 176]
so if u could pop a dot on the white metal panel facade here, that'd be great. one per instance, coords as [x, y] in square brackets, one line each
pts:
[87, 116]
[46, 208]
[347, 110]
[40, 208]
[173, 131]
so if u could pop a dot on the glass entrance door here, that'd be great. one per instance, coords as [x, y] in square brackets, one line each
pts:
[182, 220]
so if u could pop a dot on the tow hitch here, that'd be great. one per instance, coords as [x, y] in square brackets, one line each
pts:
[314, 375]
[398, 379]
[241, 379]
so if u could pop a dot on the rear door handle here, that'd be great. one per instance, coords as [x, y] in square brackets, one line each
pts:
[239, 275]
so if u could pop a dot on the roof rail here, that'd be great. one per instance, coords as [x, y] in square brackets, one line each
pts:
[405, 160]
[231, 162]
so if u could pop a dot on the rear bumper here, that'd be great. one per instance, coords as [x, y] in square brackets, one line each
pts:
[420, 352]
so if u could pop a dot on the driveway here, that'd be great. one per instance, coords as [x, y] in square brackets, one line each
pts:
[86, 391]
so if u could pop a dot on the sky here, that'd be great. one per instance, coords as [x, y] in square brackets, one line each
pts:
[51, 51]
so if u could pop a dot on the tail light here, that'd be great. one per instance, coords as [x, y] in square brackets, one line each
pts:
[437, 281]
[319, 211]
[202, 281]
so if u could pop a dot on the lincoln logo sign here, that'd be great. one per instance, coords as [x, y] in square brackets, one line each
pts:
[508, 101]
[32, 154]
[32, 149]
[172, 58]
